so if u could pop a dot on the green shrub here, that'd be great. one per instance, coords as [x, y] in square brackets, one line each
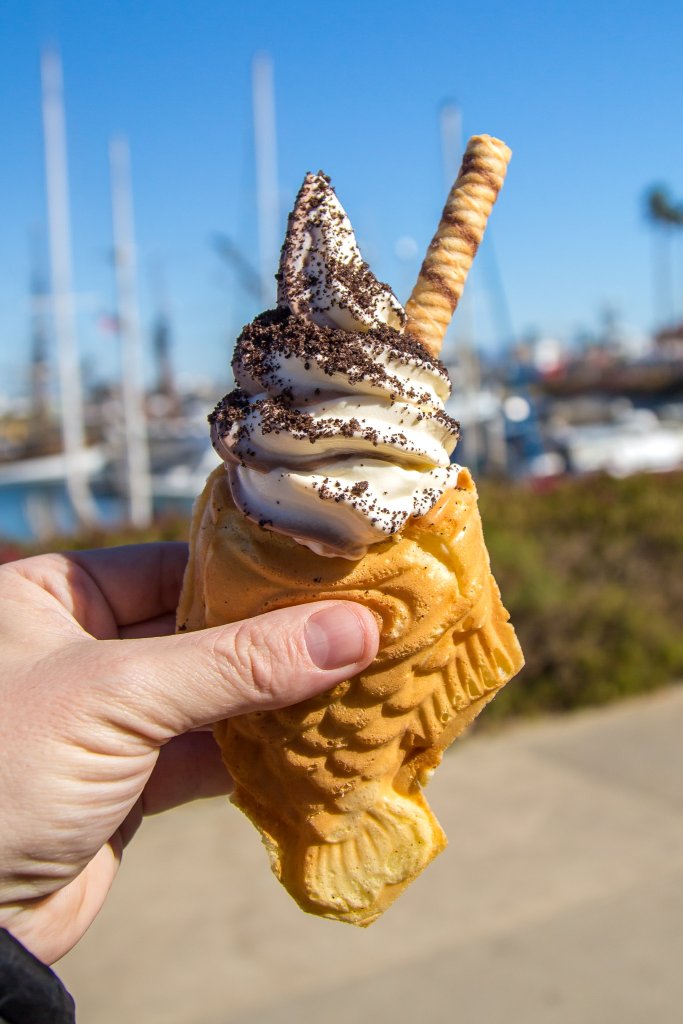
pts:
[590, 571]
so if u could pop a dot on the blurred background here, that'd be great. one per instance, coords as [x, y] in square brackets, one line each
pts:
[151, 155]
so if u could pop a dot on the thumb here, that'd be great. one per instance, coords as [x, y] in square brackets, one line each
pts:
[168, 685]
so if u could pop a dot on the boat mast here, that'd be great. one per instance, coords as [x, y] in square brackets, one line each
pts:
[133, 393]
[161, 333]
[468, 363]
[40, 372]
[63, 309]
[451, 142]
[265, 149]
[452, 149]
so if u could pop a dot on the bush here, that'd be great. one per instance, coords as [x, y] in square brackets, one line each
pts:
[590, 572]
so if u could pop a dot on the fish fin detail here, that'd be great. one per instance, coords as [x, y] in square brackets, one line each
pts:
[366, 858]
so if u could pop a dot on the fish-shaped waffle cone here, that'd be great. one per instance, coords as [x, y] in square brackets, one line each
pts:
[334, 784]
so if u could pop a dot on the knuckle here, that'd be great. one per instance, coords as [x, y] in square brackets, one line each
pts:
[255, 661]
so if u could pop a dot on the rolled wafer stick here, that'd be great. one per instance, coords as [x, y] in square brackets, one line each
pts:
[449, 257]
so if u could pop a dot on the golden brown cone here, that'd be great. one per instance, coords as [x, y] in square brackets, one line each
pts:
[334, 783]
[449, 257]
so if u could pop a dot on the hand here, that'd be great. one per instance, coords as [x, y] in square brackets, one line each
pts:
[98, 704]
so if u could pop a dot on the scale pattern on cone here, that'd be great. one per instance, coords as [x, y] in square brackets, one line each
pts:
[334, 783]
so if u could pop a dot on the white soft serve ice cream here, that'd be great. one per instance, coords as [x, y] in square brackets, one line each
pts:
[336, 433]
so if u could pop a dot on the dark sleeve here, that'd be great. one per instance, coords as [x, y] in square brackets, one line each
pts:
[30, 993]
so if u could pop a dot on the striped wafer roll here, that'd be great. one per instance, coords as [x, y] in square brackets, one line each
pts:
[449, 257]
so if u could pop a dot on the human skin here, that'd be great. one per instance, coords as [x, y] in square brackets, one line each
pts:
[103, 711]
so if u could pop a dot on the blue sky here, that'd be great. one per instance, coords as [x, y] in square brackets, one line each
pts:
[588, 95]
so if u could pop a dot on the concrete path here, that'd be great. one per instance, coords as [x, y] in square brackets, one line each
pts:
[559, 900]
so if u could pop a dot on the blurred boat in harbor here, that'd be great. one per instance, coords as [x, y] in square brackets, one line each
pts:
[34, 498]
[635, 441]
[45, 469]
[651, 377]
[186, 479]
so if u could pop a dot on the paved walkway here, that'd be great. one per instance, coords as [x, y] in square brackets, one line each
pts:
[559, 900]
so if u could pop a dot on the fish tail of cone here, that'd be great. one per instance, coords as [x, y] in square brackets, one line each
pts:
[345, 866]
[355, 875]
[451, 252]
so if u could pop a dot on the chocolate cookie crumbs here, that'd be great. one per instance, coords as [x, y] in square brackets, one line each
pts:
[320, 265]
[355, 356]
[353, 416]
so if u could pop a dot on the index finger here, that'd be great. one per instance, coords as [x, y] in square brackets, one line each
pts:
[138, 581]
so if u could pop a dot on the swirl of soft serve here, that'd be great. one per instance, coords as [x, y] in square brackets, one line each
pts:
[336, 433]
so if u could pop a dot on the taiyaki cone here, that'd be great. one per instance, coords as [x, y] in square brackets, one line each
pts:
[334, 783]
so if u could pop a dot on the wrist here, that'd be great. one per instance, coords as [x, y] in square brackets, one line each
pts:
[29, 990]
